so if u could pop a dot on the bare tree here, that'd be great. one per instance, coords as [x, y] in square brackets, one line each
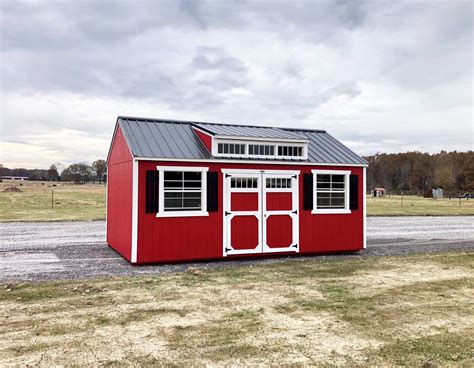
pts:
[100, 168]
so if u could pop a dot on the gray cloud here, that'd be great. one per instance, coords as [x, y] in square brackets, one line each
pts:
[367, 71]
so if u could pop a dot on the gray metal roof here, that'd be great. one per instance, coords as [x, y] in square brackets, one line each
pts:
[231, 130]
[169, 139]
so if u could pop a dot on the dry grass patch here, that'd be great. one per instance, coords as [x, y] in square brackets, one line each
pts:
[298, 313]
[70, 202]
[418, 206]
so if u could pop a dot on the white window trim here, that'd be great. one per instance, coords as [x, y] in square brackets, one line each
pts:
[246, 143]
[161, 192]
[328, 211]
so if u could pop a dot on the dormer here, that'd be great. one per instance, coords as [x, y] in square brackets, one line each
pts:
[252, 142]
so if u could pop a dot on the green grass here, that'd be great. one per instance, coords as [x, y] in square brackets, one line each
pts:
[70, 202]
[418, 206]
[387, 311]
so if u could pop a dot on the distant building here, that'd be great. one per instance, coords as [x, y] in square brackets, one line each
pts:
[437, 193]
[378, 192]
[7, 177]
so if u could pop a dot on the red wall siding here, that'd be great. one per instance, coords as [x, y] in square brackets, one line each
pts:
[188, 238]
[119, 196]
[205, 138]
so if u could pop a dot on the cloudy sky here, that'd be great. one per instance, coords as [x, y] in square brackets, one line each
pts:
[380, 76]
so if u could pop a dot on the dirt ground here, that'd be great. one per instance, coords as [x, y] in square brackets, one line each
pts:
[378, 311]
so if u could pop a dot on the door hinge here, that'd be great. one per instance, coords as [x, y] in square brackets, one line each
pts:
[294, 176]
[227, 213]
[227, 249]
[295, 212]
[227, 175]
[294, 246]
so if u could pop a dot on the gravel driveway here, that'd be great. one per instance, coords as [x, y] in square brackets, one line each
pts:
[75, 250]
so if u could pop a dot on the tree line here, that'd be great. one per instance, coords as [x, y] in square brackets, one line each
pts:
[78, 173]
[410, 172]
[417, 173]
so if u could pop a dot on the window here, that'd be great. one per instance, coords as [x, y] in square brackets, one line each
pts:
[261, 150]
[331, 194]
[231, 148]
[182, 191]
[290, 151]
[243, 183]
[278, 183]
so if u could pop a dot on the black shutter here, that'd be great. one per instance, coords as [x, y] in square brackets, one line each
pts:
[307, 191]
[212, 191]
[354, 192]
[152, 181]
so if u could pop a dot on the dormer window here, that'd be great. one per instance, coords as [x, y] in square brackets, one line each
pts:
[261, 150]
[252, 142]
[231, 148]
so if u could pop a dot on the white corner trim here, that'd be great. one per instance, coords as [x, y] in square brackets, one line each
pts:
[364, 207]
[133, 256]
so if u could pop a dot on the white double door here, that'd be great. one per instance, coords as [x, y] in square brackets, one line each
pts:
[260, 211]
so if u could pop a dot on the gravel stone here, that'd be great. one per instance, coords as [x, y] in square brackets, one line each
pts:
[37, 251]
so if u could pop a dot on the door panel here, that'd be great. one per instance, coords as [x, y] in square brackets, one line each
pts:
[242, 213]
[244, 232]
[279, 231]
[244, 201]
[279, 201]
[260, 212]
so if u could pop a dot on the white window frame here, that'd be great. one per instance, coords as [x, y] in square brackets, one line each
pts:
[247, 142]
[327, 211]
[161, 192]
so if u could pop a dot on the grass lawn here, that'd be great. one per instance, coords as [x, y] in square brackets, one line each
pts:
[418, 206]
[87, 202]
[390, 311]
[71, 202]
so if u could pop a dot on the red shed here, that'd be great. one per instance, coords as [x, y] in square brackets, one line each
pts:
[182, 190]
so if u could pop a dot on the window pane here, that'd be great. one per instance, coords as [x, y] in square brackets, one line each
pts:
[173, 175]
[231, 148]
[255, 184]
[250, 149]
[173, 184]
[323, 202]
[337, 178]
[280, 151]
[173, 195]
[324, 178]
[192, 203]
[242, 149]
[173, 203]
[192, 184]
[226, 148]
[192, 175]
[267, 150]
[219, 148]
[272, 150]
[288, 183]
